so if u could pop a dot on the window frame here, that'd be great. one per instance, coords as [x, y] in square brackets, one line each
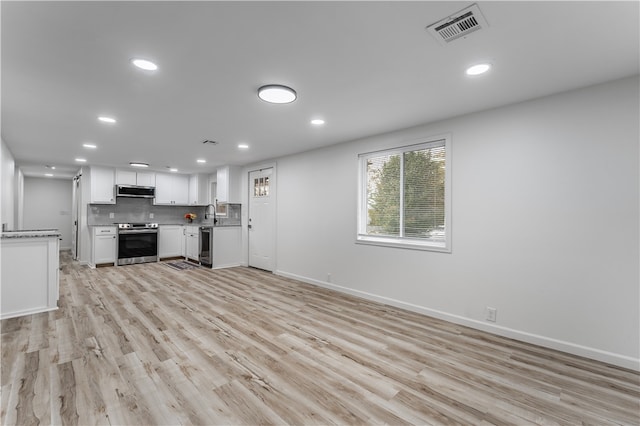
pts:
[404, 242]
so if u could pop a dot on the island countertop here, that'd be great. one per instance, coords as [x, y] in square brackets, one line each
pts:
[31, 233]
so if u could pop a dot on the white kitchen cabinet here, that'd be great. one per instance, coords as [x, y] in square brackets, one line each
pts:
[192, 242]
[228, 184]
[170, 241]
[198, 189]
[145, 178]
[30, 272]
[104, 245]
[102, 185]
[125, 177]
[130, 177]
[172, 189]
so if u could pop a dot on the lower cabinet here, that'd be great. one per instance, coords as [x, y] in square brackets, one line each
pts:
[192, 242]
[104, 245]
[29, 275]
[227, 246]
[170, 241]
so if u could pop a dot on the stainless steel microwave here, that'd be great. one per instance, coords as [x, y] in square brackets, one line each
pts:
[135, 191]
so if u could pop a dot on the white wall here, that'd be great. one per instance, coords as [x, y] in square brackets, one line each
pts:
[7, 186]
[545, 224]
[19, 199]
[84, 242]
[47, 205]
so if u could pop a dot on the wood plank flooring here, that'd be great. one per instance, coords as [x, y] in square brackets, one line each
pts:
[146, 344]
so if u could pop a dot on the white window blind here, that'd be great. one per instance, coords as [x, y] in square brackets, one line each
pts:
[404, 200]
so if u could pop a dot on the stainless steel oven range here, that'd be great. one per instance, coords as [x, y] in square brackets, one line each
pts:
[137, 243]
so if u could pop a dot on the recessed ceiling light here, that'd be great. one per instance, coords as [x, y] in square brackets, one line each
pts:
[243, 146]
[137, 164]
[48, 174]
[81, 160]
[89, 145]
[173, 169]
[143, 64]
[106, 119]
[317, 122]
[201, 160]
[277, 94]
[478, 69]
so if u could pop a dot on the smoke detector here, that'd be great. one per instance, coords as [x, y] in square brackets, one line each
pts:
[458, 25]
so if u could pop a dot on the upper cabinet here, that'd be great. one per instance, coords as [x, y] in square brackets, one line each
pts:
[172, 189]
[102, 185]
[228, 184]
[129, 177]
[198, 189]
[146, 179]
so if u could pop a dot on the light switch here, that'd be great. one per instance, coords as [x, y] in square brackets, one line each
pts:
[112, 215]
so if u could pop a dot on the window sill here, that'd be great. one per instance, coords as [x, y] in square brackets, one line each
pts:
[404, 244]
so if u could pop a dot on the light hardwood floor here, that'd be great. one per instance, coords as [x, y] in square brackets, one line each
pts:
[146, 344]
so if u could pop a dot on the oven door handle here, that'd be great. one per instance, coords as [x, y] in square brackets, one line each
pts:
[138, 231]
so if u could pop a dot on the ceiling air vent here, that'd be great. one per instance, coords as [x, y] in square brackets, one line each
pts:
[210, 142]
[458, 25]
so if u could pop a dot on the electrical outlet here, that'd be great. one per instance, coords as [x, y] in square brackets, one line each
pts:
[491, 314]
[150, 215]
[112, 215]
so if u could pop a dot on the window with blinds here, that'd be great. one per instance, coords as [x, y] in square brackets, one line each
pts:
[404, 196]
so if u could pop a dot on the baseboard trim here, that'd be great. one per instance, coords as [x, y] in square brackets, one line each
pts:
[227, 265]
[22, 313]
[547, 342]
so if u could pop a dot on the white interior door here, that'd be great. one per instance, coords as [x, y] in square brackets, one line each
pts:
[262, 219]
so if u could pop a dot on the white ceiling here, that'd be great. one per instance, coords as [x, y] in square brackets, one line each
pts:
[365, 67]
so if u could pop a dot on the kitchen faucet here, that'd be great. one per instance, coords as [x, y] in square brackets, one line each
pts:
[208, 215]
[206, 209]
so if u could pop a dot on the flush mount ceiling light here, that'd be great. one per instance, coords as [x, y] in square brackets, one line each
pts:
[137, 164]
[172, 169]
[143, 64]
[317, 122]
[81, 160]
[478, 69]
[201, 160]
[243, 146]
[277, 94]
[89, 145]
[106, 119]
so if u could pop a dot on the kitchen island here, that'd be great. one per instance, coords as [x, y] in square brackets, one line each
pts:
[222, 247]
[29, 272]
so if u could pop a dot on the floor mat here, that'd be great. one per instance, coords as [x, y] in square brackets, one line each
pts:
[182, 265]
